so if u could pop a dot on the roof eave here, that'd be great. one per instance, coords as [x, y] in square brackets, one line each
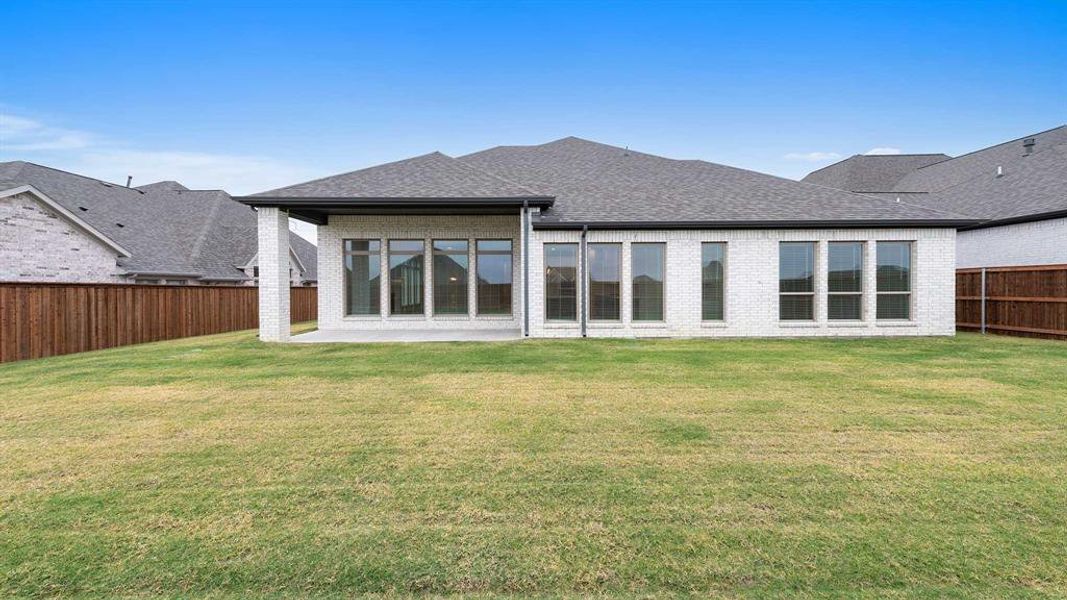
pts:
[757, 224]
[1045, 216]
[395, 202]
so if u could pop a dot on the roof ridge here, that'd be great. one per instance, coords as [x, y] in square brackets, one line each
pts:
[198, 245]
[101, 181]
[1013, 141]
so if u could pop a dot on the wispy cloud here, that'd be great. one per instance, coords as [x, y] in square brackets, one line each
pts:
[883, 150]
[812, 156]
[85, 153]
[91, 154]
[27, 135]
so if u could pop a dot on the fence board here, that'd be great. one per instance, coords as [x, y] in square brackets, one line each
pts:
[1023, 301]
[48, 319]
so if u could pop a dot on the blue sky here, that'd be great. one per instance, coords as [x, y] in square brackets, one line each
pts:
[249, 96]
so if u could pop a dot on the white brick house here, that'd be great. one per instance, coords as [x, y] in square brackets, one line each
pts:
[574, 238]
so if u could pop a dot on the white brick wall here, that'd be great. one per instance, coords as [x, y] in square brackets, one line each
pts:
[1035, 243]
[37, 244]
[752, 284]
[751, 278]
[426, 228]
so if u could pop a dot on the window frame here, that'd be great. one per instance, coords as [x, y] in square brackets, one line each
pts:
[466, 253]
[862, 279]
[910, 293]
[510, 253]
[577, 280]
[662, 283]
[422, 288]
[814, 276]
[589, 284]
[345, 253]
[725, 250]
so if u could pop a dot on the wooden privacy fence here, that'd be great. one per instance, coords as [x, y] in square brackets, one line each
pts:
[46, 319]
[1024, 301]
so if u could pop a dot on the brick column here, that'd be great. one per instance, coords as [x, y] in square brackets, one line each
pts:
[273, 274]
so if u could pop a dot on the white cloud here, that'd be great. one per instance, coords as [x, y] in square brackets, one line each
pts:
[812, 156]
[883, 150]
[88, 154]
[236, 174]
[26, 135]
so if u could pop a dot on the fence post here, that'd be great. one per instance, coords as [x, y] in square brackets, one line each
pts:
[983, 300]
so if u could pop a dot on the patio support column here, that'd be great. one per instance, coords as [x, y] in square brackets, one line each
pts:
[273, 274]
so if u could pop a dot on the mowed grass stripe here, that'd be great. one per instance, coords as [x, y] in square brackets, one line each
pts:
[219, 466]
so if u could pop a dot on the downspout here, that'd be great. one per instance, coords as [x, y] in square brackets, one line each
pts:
[525, 268]
[585, 279]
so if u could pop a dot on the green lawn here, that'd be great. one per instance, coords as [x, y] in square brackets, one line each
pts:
[740, 468]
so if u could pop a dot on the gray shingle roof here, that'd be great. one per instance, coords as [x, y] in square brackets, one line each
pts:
[871, 172]
[167, 229]
[1031, 185]
[433, 175]
[162, 185]
[942, 175]
[595, 182]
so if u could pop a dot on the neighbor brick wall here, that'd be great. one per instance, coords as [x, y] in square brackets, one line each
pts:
[37, 244]
[426, 228]
[752, 284]
[1035, 243]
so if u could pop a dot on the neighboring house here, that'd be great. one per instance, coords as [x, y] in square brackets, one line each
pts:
[575, 238]
[1017, 189]
[57, 226]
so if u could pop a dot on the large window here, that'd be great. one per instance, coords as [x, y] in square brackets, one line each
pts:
[647, 268]
[845, 281]
[894, 280]
[406, 277]
[363, 275]
[450, 263]
[561, 282]
[605, 271]
[493, 270]
[796, 281]
[712, 280]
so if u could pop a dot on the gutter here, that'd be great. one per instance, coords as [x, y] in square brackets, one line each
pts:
[584, 295]
[1055, 214]
[850, 224]
[397, 202]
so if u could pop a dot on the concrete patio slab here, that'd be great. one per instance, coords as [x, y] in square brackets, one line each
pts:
[340, 336]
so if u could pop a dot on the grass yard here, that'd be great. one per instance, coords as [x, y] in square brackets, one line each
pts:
[219, 466]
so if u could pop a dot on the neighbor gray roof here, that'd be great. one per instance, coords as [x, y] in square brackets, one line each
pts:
[433, 175]
[598, 183]
[162, 185]
[167, 229]
[871, 172]
[1028, 186]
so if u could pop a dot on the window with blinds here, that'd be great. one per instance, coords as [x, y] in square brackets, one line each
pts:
[796, 281]
[647, 269]
[363, 273]
[605, 271]
[844, 281]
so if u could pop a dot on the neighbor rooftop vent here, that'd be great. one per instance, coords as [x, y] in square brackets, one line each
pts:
[1028, 146]
[1000, 171]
